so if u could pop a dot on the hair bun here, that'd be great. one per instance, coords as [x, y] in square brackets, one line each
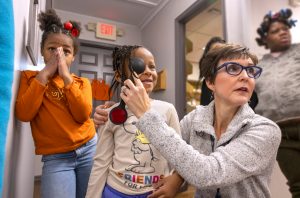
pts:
[286, 13]
[48, 20]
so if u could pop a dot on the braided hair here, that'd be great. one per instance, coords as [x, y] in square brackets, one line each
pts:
[50, 23]
[121, 58]
[282, 16]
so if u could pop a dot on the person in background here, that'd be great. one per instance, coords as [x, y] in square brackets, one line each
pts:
[278, 90]
[58, 106]
[206, 94]
[227, 150]
[126, 164]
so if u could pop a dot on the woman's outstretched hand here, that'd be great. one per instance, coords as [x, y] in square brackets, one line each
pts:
[135, 97]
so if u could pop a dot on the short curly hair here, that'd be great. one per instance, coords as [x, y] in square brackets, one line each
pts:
[281, 16]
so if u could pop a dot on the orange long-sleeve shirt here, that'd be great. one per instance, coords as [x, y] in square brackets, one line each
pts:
[59, 116]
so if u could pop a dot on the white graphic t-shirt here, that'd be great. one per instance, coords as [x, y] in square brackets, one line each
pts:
[126, 160]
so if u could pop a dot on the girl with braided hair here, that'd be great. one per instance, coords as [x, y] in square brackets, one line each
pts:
[58, 106]
[126, 164]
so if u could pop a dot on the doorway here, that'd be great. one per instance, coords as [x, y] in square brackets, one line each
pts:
[94, 61]
[199, 30]
[194, 27]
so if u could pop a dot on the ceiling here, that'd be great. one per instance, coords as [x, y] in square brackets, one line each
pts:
[202, 27]
[139, 12]
[134, 12]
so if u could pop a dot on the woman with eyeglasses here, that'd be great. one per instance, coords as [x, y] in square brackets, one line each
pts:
[227, 150]
[206, 94]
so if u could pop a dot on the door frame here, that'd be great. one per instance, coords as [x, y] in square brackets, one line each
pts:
[180, 76]
[94, 44]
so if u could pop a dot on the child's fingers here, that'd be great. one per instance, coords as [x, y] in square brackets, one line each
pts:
[96, 126]
[108, 104]
[60, 51]
[102, 107]
[101, 110]
[100, 117]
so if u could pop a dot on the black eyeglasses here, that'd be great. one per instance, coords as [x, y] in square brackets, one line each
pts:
[235, 69]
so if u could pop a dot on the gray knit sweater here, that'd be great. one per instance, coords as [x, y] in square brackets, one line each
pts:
[278, 88]
[239, 164]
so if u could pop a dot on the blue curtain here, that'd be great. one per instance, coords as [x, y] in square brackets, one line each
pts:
[6, 74]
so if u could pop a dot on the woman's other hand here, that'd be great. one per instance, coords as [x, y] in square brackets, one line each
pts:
[167, 187]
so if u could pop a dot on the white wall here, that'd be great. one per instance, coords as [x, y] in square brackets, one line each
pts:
[159, 37]
[234, 20]
[132, 33]
[19, 162]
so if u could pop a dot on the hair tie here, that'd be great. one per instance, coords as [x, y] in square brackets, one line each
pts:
[71, 29]
[293, 22]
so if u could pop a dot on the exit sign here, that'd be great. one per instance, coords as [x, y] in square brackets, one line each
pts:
[106, 31]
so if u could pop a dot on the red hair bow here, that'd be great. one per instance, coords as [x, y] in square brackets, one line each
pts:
[69, 26]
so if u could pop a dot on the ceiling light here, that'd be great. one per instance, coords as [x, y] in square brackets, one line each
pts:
[152, 3]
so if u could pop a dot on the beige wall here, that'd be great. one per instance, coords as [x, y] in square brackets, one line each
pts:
[159, 37]
[132, 34]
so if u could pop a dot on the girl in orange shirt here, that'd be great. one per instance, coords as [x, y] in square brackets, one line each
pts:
[58, 106]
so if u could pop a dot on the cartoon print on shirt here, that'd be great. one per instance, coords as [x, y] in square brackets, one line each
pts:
[143, 155]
